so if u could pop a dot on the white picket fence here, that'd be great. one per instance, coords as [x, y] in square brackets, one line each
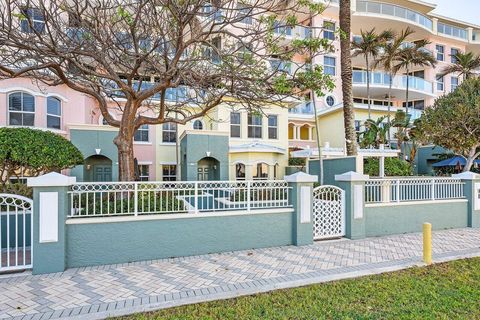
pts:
[413, 189]
[141, 198]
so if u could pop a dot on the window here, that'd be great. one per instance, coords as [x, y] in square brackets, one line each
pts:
[34, 21]
[453, 54]
[329, 66]
[197, 125]
[141, 135]
[417, 104]
[169, 132]
[54, 113]
[330, 100]
[169, 172]
[245, 13]
[328, 30]
[358, 125]
[235, 125]
[454, 83]
[272, 127]
[143, 172]
[440, 83]
[21, 109]
[240, 171]
[260, 171]
[440, 52]
[254, 126]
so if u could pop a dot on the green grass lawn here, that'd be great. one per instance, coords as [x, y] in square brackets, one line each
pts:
[443, 291]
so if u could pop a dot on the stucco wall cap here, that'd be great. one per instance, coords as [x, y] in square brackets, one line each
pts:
[351, 176]
[467, 176]
[52, 179]
[301, 177]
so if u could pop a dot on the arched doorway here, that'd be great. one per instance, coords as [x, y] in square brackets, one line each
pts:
[208, 169]
[97, 168]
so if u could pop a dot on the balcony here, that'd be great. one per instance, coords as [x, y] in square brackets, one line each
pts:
[305, 108]
[286, 34]
[288, 67]
[387, 9]
[452, 31]
[379, 82]
[179, 94]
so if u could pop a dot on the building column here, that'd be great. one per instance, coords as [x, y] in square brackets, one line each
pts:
[310, 133]
[435, 25]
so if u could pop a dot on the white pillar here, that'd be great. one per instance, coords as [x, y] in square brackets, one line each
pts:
[435, 25]
[310, 133]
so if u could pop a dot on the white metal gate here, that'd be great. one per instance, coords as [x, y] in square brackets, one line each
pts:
[328, 212]
[16, 232]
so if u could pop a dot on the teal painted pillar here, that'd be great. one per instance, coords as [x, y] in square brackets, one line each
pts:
[50, 210]
[354, 185]
[472, 193]
[301, 194]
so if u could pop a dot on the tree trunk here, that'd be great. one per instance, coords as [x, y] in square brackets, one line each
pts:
[368, 88]
[407, 92]
[124, 143]
[319, 144]
[346, 73]
[472, 155]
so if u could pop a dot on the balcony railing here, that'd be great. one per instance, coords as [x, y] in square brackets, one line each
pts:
[399, 82]
[305, 108]
[179, 94]
[297, 32]
[394, 11]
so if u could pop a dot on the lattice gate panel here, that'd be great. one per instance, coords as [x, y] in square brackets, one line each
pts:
[328, 212]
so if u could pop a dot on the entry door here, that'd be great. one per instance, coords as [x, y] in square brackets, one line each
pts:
[102, 173]
[203, 173]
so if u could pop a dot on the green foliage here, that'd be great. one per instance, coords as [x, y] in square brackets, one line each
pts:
[441, 291]
[375, 134]
[296, 161]
[454, 120]
[394, 167]
[35, 152]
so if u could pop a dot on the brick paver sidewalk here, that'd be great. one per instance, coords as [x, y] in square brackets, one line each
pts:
[98, 292]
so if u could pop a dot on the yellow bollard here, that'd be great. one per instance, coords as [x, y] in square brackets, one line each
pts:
[427, 243]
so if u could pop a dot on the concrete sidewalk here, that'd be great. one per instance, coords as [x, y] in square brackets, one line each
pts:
[102, 291]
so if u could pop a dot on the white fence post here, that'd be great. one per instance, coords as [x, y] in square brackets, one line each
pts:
[195, 201]
[398, 190]
[135, 199]
[248, 195]
[433, 189]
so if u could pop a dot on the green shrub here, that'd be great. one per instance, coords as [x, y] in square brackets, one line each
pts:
[393, 167]
[296, 162]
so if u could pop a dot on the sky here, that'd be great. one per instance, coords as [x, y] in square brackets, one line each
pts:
[465, 10]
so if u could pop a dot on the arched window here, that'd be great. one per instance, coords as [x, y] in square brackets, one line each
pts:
[21, 109]
[54, 113]
[260, 171]
[240, 171]
[197, 125]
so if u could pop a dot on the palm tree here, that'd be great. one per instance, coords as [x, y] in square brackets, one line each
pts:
[465, 64]
[413, 56]
[391, 52]
[346, 71]
[369, 45]
[375, 133]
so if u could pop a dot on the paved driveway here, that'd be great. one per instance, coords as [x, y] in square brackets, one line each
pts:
[98, 292]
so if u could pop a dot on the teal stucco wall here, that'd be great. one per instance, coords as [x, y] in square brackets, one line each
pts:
[331, 167]
[396, 219]
[194, 147]
[425, 157]
[87, 141]
[120, 242]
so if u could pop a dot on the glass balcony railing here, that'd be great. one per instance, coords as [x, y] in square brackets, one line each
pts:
[179, 94]
[394, 11]
[398, 82]
[298, 32]
[305, 108]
